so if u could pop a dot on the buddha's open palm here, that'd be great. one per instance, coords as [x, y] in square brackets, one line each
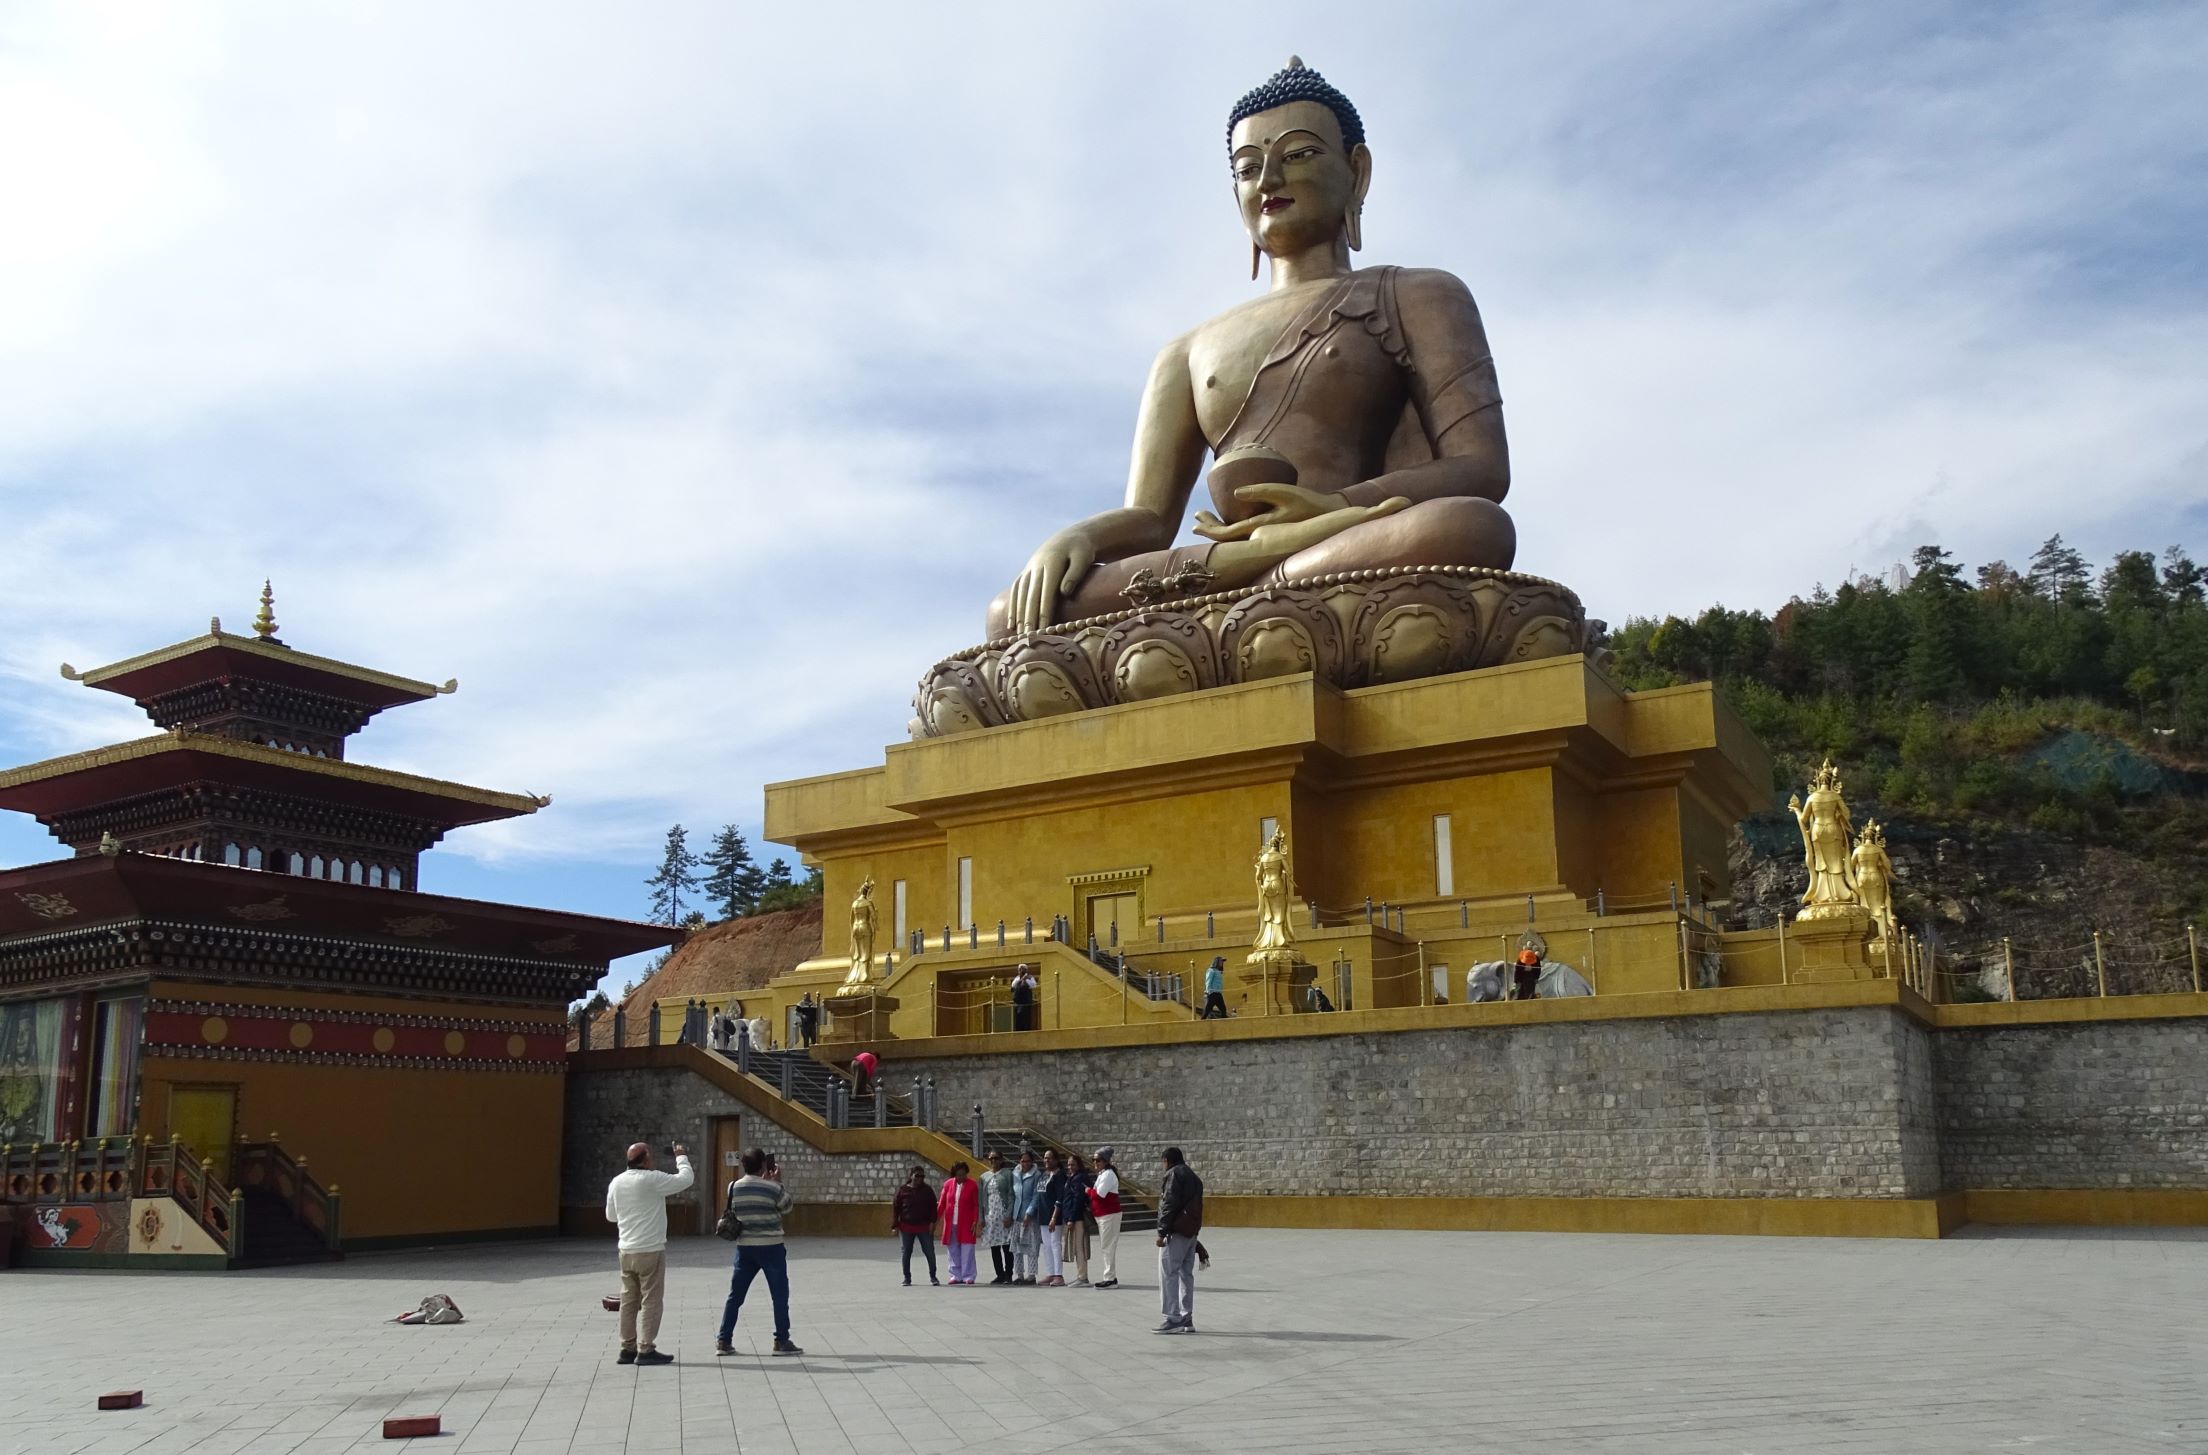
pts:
[1283, 503]
[1280, 539]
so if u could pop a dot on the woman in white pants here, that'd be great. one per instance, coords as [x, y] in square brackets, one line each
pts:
[1104, 1202]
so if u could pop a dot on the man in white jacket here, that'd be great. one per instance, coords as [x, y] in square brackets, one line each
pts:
[636, 1204]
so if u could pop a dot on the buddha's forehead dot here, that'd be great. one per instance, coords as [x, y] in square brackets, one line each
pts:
[1267, 127]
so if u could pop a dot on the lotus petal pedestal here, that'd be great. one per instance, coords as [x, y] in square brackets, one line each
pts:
[1352, 630]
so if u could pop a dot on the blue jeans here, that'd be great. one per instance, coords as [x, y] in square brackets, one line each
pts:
[772, 1260]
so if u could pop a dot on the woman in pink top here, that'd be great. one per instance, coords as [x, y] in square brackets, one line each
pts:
[960, 1209]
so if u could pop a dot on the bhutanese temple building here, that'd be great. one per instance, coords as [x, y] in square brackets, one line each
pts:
[233, 1028]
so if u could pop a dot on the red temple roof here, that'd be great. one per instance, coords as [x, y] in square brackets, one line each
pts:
[99, 889]
[221, 656]
[175, 760]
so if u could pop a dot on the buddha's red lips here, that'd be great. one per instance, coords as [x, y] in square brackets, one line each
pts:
[1275, 204]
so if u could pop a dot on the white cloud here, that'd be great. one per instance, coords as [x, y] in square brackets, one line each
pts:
[686, 379]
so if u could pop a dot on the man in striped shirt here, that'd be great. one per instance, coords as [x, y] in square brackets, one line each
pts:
[758, 1200]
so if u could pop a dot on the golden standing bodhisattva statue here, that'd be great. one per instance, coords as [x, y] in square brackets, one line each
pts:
[1353, 413]
[1874, 878]
[862, 936]
[1276, 934]
[1827, 839]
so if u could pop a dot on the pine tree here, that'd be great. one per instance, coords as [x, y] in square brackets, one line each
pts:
[733, 880]
[778, 874]
[2181, 579]
[2058, 572]
[677, 876]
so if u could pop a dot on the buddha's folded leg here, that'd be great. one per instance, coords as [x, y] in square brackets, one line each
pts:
[1456, 530]
[1102, 589]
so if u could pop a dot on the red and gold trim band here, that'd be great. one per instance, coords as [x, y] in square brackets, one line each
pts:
[279, 1033]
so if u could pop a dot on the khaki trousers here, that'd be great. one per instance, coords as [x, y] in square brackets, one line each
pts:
[1076, 1236]
[643, 1292]
[1107, 1247]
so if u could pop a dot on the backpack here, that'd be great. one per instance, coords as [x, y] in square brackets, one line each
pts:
[730, 1227]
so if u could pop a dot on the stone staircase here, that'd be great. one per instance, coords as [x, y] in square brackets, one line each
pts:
[805, 1081]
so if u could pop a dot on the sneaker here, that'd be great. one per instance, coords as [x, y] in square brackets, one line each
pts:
[908, 1283]
[784, 1346]
[628, 1356]
[1167, 1328]
[1082, 1283]
[932, 1283]
[655, 1356]
[1107, 1283]
[724, 1350]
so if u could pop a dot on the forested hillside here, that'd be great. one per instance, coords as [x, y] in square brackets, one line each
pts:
[2034, 738]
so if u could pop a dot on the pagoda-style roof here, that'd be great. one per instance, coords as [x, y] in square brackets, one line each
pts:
[179, 759]
[224, 656]
[380, 933]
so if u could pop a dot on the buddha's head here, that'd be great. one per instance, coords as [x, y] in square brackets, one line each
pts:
[1301, 167]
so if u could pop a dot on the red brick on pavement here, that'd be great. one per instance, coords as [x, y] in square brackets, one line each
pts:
[123, 1399]
[407, 1427]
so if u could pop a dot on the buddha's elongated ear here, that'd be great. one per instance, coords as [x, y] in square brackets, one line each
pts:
[1360, 166]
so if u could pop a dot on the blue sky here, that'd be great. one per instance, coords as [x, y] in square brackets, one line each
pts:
[684, 380]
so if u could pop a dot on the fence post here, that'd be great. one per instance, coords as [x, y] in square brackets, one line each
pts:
[1685, 982]
[973, 935]
[620, 1026]
[881, 1106]
[1211, 926]
[2008, 965]
[1113, 931]
[1590, 957]
[1671, 886]
[1602, 905]
[1368, 909]
[1000, 934]
[1161, 929]
[1425, 981]
[1058, 998]
[1028, 934]
[2100, 966]
[582, 1031]
[974, 1142]
[930, 1123]
[1529, 909]
[946, 939]
[1464, 914]
[651, 1025]
[2192, 948]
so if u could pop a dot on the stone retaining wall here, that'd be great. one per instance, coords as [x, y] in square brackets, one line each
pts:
[1825, 1103]
[2099, 1104]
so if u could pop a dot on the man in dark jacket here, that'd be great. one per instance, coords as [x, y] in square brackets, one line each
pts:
[1180, 1219]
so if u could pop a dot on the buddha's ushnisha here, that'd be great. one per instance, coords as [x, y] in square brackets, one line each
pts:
[1353, 413]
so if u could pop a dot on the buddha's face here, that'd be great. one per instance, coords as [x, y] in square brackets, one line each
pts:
[1294, 180]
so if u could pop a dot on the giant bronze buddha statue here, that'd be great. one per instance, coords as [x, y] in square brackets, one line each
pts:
[1356, 433]
[1354, 411]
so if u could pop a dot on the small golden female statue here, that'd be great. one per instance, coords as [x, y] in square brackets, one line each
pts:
[1276, 936]
[1874, 878]
[862, 936]
[1826, 840]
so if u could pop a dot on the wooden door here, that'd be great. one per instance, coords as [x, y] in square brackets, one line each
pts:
[724, 1165]
[206, 1117]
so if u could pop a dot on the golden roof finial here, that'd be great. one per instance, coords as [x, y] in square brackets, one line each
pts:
[214, 626]
[264, 625]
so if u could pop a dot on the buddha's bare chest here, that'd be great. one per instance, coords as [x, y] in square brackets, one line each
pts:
[1226, 355]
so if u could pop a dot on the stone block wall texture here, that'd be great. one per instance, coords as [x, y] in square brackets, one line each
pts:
[1835, 1103]
[2096, 1104]
[607, 1110]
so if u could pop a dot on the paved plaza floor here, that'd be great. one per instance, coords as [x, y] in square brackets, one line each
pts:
[2063, 1341]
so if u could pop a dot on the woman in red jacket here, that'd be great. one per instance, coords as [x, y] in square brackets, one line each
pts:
[912, 1216]
[960, 1211]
